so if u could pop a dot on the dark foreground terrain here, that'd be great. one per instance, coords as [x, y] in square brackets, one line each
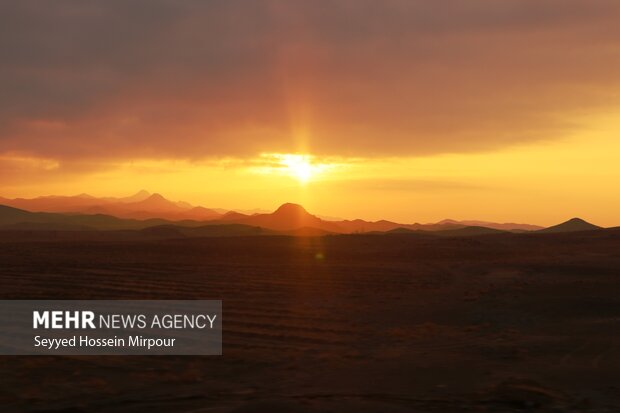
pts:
[398, 323]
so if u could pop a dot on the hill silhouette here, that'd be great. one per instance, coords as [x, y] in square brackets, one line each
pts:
[144, 209]
[572, 225]
[14, 218]
[153, 206]
[469, 231]
[508, 226]
[141, 205]
[289, 217]
[458, 232]
[54, 203]
[137, 197]
[233, 215]
[156, 202]
[224, 230]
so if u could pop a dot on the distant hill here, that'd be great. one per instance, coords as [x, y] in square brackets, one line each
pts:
[225, 230]
[469, 231]
[44, 226]
[53, 203]
[142, 205]
[154, 206]
[137, 197]
[289, 217]
[572, 225]
[232, 216]
[154, 202]
[15, 219]
[508, 226]
[360, 225]
[10, 216]
[133, 212]
[458, 232]
[401, 230]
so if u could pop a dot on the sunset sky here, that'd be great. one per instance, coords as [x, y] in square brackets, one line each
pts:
[415, 111]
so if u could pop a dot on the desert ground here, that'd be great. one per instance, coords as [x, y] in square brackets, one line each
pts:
[347, 323]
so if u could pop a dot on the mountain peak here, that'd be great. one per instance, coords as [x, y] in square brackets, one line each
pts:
[142, 192]
[137, 197]
[156, 197]
[572, 225]
[231, 215]
[289, 217]
[157, 201]
[447, 221]
[577, 220]
[290, 208]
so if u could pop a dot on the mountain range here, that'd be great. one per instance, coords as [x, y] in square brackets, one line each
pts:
[144, 205]
[157, 215]
[141, 205]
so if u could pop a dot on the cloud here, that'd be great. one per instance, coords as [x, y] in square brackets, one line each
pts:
[193, 79]
[408, 185]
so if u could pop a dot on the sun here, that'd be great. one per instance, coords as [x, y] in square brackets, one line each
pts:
[299, 167]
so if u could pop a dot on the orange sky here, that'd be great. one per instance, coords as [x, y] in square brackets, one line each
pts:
[403, 110]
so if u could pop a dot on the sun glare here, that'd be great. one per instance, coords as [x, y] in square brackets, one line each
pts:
[301, 167]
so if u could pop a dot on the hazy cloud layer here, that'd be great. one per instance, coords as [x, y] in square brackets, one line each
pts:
[123, 79]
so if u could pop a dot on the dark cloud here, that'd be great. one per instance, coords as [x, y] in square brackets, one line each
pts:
[124, 79]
